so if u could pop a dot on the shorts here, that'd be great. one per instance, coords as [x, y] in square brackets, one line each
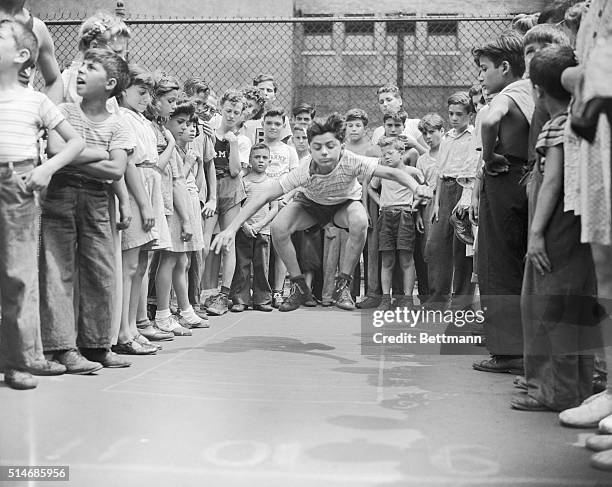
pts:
[323, 214]
[230, 192]
[396, 229]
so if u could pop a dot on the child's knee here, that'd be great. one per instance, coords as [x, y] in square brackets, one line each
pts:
[406, 259]
[388, 259]
[279, 230]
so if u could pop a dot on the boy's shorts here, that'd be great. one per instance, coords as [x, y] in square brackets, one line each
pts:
[230, 192]
[396, 229]
[323, 214]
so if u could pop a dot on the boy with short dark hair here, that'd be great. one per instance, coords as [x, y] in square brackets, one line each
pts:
[76, 236]
[448, 266]
[303, 115]
[253, 241]
[558, 308]
[23, 113]
[330, 193]
[502, 232]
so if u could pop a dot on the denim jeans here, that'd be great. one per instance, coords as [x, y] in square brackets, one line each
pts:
[77, 243]
[255, 251]
[445, 253]
[20, 343]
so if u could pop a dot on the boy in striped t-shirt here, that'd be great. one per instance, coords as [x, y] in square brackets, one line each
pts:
[330, 193]
[23, 114]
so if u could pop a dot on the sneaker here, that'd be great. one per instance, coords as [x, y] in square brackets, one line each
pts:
[209, 300]
[369, 302]
[75, 363]
[170, 325]
[589, 413]
[277, 299]
[193, 321]
[386, 303]
[45, 367]
[342, 294]
[298, 294]
[17, 379]
[219, 306]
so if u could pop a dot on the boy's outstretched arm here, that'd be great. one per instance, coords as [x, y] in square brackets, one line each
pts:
[494, 164]
[406, 178]
[272, 192]
[39, 178]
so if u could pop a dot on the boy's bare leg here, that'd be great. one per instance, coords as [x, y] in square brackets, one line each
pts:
[354, 218]
[406, 262]
[289, 220]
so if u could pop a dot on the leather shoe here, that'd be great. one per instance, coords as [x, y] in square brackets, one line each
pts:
[45, 367]
[501, 364]
[263, 307]
[153, 333]
[237, 308]
[105, 357]
[134, 347]
[17, 379]
[75, 362]
[524, 402]
[602, 460]
[369, 302]
[520, 382]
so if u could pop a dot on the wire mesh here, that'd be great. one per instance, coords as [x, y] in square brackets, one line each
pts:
[332, 63]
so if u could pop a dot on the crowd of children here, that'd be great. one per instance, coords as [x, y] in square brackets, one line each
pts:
[111, 201]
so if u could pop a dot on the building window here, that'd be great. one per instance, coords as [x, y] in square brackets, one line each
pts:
[358, 34]
[318, 33]
[442, 35]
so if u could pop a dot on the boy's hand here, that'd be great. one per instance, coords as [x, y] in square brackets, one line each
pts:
[231, 137]
[424, 193]
[420, 226]
[434, 213]
[148, 216]
[207, 128]
[473, 213]
[186, 231]
[248, 230]
[209, 208]
[536, 253]
[125, 216]
[169, 137]
[496, 165]
[39, 178]
[222, 241]
[460, 210]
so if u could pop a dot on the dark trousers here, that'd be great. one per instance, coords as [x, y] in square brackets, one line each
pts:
[255, 252]
[448, 266]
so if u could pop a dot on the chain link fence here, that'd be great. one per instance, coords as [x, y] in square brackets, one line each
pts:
[332, 63]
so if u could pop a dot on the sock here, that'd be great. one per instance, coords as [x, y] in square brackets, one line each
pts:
[188, 311]
[162, 314]
[344, 276]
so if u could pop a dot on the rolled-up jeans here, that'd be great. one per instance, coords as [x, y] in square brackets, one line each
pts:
[77, 242]
[20, 343]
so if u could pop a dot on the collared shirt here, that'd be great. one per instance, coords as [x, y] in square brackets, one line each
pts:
[456, 157]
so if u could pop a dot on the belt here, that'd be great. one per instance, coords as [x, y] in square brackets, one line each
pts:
[146, 165]
[13, 164]
[78, 182]
[448, 178]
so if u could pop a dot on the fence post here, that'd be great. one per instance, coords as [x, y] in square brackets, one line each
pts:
[399, 61]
